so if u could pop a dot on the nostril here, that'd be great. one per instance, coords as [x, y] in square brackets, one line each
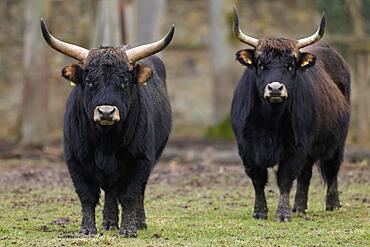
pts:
[281, 88]
[269, 87]
[106, 111]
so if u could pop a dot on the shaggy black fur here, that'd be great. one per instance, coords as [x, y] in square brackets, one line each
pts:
[118, 158]
[311, 125]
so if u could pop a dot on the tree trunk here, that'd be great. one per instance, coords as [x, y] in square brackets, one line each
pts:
[220, 58]
[355, 7]
[149, 20]
[34, 115]
[107, 26]
[361, 79]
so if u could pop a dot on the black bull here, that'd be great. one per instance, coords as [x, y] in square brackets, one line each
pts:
[291, 107]
[117, 122]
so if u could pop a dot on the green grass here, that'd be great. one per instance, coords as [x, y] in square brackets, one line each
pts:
[190, 207]
[220, 131]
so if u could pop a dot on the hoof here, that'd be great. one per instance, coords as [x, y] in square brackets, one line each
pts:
[107, 226]
[260, 215]
[299, 209]
[332, 207]
[332, 203]
[141, 225]
[88, 231]
[128, 233]
[284, 216]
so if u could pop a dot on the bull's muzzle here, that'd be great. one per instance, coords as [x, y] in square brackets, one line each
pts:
[275, 92]
[106, 115]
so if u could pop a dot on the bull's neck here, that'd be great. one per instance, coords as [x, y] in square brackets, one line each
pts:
[272, 116]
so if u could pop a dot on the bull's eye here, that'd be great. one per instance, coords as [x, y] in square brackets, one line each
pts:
[261, 66]
[290, 67]
[124, 83]
[88, 82]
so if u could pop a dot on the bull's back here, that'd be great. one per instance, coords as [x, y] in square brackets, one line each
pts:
[333, 64]
[331, 78]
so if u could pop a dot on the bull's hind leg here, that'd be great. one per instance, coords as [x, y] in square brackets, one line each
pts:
[110, 211]
[303, 183]
[329, 170]
[259, 179]
[88, 192]
[140, 211]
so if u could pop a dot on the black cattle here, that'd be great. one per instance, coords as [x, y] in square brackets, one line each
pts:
[291, 107]
[116, 124]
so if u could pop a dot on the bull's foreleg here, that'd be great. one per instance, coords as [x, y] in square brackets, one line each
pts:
[140, 213]
[303, 183]
[285, 181]
[110, 211]
[128, 227]
[259, 179]
[130, 202]
[88, 192]
[287, 172]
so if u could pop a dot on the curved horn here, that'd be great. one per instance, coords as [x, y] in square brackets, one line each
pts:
[315, 37]
[241, 36]
[140, 52]
[70, 50]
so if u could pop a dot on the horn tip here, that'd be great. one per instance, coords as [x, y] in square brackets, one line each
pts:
[42, 22]
[322, 25]
[170, 34]
[236, 22]
[235, 11]
[44, 28]
[45, 32]
[172, 28]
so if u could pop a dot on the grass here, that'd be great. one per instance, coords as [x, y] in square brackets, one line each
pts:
[187, 205]
[220, 131]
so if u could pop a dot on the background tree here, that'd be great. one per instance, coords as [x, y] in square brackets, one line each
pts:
[361, 79]
[34, 113]
[149, 19]
[107, 28]
[221, 61]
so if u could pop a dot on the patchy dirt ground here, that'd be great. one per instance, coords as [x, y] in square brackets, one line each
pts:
[202, 198]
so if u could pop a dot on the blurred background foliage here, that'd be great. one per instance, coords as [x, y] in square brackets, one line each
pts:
[339, 17]
[202, 72]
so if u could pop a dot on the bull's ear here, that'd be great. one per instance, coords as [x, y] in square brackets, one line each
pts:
[73, 73]
[143, 74]
[306, 60]
[245, 57]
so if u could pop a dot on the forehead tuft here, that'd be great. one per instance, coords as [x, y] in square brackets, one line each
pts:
[278, 46]
[107, 56]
